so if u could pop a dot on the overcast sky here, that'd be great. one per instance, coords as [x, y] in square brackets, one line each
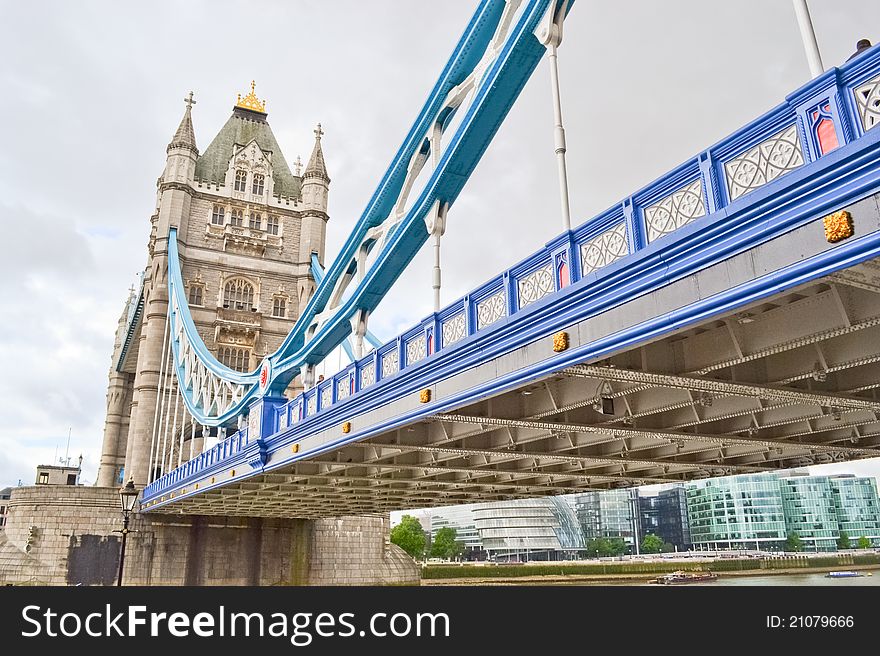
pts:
[93, 92]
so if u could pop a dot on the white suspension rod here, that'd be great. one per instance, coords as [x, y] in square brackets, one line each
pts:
[160, 388]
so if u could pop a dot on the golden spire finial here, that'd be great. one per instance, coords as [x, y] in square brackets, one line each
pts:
[251, 101]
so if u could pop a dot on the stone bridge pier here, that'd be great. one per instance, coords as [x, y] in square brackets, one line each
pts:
[66, 537]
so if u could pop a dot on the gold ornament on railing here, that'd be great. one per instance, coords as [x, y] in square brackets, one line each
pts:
[251, 101]
[560, 341]
[838, 226]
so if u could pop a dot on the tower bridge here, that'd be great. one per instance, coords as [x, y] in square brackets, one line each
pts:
[723, 319]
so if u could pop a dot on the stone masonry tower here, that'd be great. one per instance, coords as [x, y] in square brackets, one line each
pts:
[247, 228]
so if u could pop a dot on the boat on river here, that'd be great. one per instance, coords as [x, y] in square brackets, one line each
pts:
[845, 574]
[682, 577]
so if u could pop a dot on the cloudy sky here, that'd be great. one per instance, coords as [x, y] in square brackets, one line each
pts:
[93, 92]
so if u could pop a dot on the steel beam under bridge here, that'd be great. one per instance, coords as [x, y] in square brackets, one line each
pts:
[665, 387]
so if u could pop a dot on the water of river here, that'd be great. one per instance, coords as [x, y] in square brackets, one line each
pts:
[794, 579]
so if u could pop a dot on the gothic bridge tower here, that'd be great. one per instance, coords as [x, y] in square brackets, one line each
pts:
[247, 228]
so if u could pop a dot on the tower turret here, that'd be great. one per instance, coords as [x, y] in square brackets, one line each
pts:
[315, 191]
[182, 152]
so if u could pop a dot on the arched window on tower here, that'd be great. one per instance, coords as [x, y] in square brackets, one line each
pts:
[279, 306]
[255, 220]
[235, 358]
[240, 180]
[218, 216]
[238, 294]
[257, 186]
[237, 218]
[196, 293]
[272, 224]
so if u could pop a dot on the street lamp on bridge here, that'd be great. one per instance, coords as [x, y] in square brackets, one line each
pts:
[128, 495]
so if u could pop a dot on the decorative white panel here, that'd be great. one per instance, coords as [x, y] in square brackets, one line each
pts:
[490, 310]
[416, 349]
[535, 285]
[604, 249]
[770, 159]
[368, 375]
[343, 388]
[390, 363]
[282, 420]
[312, 405]
[326, 397]
[453, 329]
[868, 102]
[675, 210]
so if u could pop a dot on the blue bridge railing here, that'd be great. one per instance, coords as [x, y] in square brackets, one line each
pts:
[693, 201]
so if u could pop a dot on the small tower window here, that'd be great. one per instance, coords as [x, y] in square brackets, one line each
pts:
[241, 180]
[195, 294]
[237, 218]
[257, 186]
[218, 216]
[272, 224]
[279, 307]
[256, 220]
[238, 359]
[238, 294]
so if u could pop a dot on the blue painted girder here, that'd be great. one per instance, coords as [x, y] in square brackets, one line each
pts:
[494, 95]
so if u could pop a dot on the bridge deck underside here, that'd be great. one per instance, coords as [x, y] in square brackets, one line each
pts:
[787, 382]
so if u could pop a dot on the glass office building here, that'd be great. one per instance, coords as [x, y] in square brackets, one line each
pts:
[649, 516]
[857, 507]
[737, 512]
[525, 529]
[672, 517]
[810, 513]
[460, 519]
[609, 514]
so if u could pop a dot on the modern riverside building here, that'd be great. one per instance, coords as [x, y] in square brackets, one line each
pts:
[857, 506]
[737, 512]
[649, 515]
[672, 517]
[665, 515]
[809, 506]
[461, 519]
[526, 529]
[750, 511]
[609, 514]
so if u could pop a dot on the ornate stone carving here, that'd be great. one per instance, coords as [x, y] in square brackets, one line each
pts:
[535, 285]
[390, 363]
[868, 102]
[764, 162]
[490, 310]
[453, 329]
[604, 249]
[415, 349]
[675, 210]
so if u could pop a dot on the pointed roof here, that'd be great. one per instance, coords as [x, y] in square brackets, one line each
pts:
[246, 125]
[316, 166]
[185, 137]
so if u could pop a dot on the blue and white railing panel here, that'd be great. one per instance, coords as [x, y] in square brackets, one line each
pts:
[605, 248]
[751, 166]
[867, 99]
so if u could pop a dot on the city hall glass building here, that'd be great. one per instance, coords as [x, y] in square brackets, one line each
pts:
[526, 529]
